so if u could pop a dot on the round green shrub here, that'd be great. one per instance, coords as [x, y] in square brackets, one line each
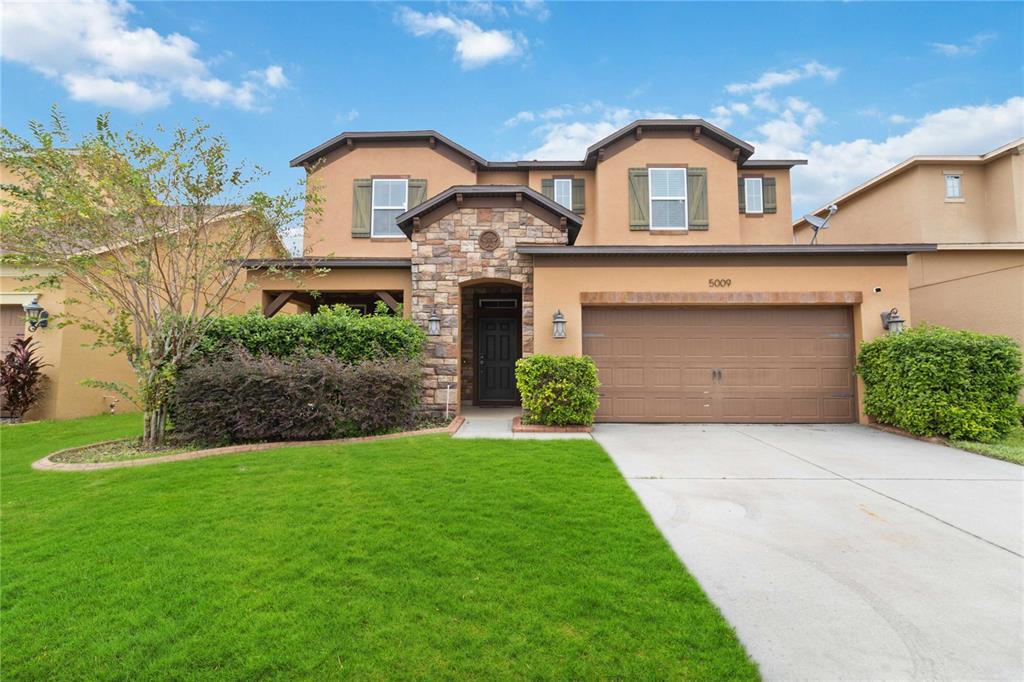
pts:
[933, 381]
[557, 390]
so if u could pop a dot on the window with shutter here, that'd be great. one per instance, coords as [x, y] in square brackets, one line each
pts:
[362, 199]
[697, 196]
[417, 192]
[668, 198]
[563, 192]
[390, 199]
[578, 197]
[770, 203]
[639, 199]
[547, 188]
[753, 196]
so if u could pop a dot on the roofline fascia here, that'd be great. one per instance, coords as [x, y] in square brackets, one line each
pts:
[728, 250]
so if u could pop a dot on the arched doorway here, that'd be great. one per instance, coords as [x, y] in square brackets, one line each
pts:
[491, 340]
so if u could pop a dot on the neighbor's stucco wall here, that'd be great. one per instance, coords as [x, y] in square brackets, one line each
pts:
[911, 207]
[330, 233]
[980, 291]
[558, 283]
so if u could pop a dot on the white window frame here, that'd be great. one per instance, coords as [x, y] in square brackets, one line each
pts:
[374, 207]
[946, 175]
[562, 181]
[747, 182]
[651, 199]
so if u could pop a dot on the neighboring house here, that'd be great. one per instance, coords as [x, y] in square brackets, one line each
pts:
[667, 250]
[972, 207]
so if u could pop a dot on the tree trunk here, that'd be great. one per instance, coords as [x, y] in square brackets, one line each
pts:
[154, 425]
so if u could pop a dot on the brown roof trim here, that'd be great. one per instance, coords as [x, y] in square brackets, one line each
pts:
[726, 250]
[399, 135]
[697, 125]
[326, 262]
[721, 297]
[773, 163]
[573, 221]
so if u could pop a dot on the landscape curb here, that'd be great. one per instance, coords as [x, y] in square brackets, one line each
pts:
[519, 427]
[47, 464]
[937, 440]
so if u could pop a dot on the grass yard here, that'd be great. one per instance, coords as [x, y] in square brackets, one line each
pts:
[422, 557]
[1010, 448]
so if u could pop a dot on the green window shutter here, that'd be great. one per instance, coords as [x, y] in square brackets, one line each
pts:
[547, 188]
[639, 199]
[417, 192]
[768, 188]
[697, 198]
[743, 196]
[362, 203]
[578, 197]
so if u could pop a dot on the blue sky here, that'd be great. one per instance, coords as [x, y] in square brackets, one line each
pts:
[853, 87]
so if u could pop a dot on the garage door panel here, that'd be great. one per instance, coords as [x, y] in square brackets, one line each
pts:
[775, 364]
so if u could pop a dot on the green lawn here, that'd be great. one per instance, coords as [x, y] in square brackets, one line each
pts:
[423, 557]
[1010, 448]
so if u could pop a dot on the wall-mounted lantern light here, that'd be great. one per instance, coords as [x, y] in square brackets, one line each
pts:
[892, 322]
[558, 329]
[35, 315]
[434, 324]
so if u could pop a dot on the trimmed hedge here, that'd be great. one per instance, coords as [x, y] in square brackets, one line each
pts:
[557, 390]
[933, 381]
[244, 399]
[338, 331]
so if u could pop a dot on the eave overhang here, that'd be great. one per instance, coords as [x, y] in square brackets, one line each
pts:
[519, 193]
[329, 263]
[728, 250]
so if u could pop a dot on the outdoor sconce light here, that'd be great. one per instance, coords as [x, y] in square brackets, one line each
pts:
[558, 330]
[434, 324]
[892, 322]
[35, 315]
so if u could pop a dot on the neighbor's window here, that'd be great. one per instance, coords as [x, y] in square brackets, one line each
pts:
[754, 195]
[953, 189]
[563, 192]
[390, 199]
[668, 198]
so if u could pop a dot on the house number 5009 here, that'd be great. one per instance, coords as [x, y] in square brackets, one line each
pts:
[714, 283]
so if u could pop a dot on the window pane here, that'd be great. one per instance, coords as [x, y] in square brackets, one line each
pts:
[384, 222]
[668, 182]
[754, 195]
[389, 193]
[953, 186]
[668, 213]
[563, 193]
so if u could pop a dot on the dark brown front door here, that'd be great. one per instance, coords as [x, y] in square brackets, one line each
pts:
[497, 352]
[723, 364]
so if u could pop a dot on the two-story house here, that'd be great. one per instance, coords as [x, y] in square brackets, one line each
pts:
[972, 207]
[666, 254]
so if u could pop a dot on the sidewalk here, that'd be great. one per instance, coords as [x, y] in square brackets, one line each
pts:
[496, 422]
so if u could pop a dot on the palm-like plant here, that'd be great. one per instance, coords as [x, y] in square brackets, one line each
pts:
[21, 378]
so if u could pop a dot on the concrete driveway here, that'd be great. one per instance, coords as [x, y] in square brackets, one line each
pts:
[842, 552]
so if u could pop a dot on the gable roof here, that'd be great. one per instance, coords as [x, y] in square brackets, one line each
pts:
[1014, 147]
[696, 126]
[573, 221]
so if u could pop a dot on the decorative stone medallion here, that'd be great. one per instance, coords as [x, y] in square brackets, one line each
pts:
[489, 240]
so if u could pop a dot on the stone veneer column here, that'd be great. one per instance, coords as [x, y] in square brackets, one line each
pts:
[447, 254]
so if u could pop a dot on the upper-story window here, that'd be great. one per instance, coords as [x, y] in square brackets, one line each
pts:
[754, 194]
[668, 198]
[954, 190]
[390, 199]
[563, 192]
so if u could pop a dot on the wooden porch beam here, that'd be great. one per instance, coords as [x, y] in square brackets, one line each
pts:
[279, 302]
[389, 300]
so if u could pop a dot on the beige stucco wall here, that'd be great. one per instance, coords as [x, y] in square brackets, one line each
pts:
[726, 224]
[981, 291]
[558, 283]
[911, 207]
[331, 232]
[588, 231]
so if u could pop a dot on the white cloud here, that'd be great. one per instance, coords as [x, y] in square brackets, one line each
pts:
[568, 140]
[99, 57]
[474, 46]
[723, 115]
[769, 80]
[973, 46]
[538, 9]
[834, 168]
[898, 119]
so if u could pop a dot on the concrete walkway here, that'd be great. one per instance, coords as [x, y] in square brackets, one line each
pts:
[496, 422]
[842, 552]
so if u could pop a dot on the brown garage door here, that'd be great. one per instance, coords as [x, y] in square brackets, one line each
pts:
[722, 364]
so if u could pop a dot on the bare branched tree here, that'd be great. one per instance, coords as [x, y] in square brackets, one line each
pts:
[152, 237]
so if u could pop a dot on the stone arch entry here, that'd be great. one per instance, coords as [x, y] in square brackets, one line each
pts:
[491, 331]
